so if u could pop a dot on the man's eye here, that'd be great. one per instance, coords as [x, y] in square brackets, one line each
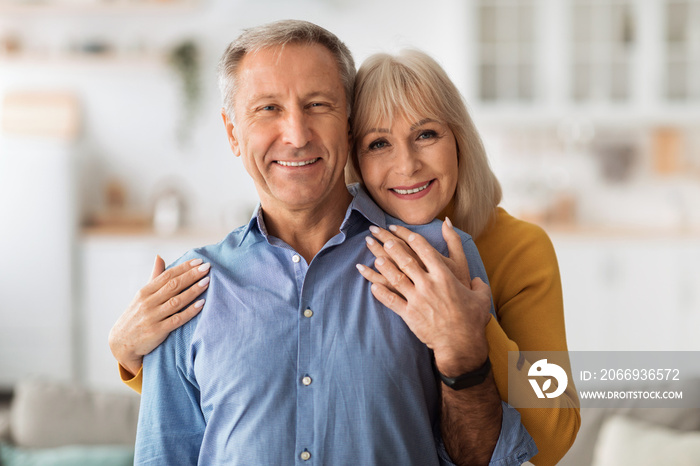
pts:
[268, 107]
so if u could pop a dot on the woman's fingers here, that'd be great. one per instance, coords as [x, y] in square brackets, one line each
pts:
[158, 267]
[372, 276]
[177, 302]
[398, 281]
[181, 318]
[458, 264]
[390, 299]
[418, 246]
[173, 283]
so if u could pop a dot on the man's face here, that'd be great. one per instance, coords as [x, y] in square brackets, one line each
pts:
[291, 125]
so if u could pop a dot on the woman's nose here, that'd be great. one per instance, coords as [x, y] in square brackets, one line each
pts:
[407, 161]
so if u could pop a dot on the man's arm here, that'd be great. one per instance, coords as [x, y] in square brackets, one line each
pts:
[171, 424]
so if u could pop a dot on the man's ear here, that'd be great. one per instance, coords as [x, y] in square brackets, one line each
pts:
[231, 134]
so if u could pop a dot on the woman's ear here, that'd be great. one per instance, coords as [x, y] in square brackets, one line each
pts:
[231, 134]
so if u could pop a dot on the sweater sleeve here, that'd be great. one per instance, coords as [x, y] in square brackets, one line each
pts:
[131, 381]
[526, 286]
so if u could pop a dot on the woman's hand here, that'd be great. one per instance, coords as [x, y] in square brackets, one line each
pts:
[155, 311]
[433, 294]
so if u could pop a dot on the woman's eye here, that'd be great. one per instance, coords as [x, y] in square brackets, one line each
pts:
[428, 134]
[378, 144]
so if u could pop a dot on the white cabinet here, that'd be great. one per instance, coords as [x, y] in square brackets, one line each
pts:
[539, 60]
[37, 224]
[630, 293]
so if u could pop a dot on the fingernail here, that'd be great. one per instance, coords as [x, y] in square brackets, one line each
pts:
[379, 261]
[369, 240]
[360, 267]
[196, 262]
[411, 237]
[374, 229]
[204, 282]
[199, 304]
[449, 222]
[204, 267]
[389, 244]
[393, 227]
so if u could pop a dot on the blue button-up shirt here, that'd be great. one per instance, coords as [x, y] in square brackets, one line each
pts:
[296, 363]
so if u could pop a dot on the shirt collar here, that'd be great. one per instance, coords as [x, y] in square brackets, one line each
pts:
[361, 203]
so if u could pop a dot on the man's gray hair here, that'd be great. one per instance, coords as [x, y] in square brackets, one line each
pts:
[279, 34]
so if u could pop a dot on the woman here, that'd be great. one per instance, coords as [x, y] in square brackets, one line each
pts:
[419, 155]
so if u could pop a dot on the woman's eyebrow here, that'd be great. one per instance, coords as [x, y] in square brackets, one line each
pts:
[422, 122]
[377, 130]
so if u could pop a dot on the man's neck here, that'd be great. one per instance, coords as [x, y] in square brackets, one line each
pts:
[308, 229]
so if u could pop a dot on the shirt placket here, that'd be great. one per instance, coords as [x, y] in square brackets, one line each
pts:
[304, 378]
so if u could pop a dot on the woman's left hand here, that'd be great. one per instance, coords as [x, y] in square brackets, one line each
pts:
[433, 294]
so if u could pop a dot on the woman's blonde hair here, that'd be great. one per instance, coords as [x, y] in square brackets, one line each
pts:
[414, 85]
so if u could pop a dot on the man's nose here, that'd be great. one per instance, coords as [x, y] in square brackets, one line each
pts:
[295, 128]
[407, 161]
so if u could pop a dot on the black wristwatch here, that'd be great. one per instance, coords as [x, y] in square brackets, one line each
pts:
[468, 379]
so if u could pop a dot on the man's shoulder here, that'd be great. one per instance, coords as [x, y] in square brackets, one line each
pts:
[231, 245]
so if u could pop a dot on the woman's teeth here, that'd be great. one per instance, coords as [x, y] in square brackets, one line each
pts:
[296, 164]
[412, 191]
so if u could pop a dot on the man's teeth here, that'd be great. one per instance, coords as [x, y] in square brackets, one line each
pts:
[296, 164]
[412, 191]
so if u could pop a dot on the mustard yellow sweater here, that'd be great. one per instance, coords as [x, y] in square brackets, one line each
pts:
[524, 276]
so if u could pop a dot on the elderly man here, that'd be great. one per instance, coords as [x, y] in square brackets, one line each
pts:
[293, 360]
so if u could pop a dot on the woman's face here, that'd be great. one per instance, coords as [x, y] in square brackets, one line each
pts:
[410, 167]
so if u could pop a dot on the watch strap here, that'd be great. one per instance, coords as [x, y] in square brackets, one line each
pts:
[468, 379]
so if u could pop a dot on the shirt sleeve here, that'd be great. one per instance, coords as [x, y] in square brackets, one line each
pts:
[514, 446]
[171, 424]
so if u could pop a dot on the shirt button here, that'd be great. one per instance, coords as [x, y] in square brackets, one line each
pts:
[306, 380]
[308, 313]
[296, 258]
[305, 455]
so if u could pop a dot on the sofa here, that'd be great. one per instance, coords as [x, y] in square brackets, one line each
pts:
[633, 434]
[49, 423]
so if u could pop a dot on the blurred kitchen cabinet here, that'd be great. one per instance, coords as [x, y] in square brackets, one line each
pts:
[600, 59]
[603, 46]
[113, 268]
[682, 50]
[506, 50]
[630, 293]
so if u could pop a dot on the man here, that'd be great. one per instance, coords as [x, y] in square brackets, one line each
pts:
[294, 361]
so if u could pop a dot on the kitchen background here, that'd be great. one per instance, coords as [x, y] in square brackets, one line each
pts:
[112, 150]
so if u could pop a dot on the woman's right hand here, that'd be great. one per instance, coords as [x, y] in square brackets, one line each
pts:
[155, 311]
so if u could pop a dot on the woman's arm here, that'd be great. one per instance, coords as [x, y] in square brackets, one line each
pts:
[525, 282]
[156, 310]
[450, 318]
[526, 287]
